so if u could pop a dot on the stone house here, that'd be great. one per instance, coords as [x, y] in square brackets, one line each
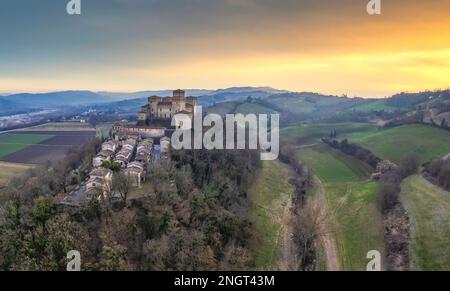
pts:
[111, 145]
[104, 155]
[135, 171]
[100, 179]
[165, 146]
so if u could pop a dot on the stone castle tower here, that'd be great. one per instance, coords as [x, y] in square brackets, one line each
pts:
[164, 108]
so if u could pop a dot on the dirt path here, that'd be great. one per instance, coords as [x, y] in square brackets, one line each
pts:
[288, 258]
[327, 237]
[306, 146]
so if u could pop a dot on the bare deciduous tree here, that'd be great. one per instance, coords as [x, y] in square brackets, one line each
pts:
[121, 184]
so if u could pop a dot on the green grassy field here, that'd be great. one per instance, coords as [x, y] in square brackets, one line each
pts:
[292, 104]
[237, 107]
[351, 197]
[254, 108]
[359, 226]
[429, 209]
[317, 131]
[270, 195]
[222, 108]
[10, 143]
[62, 126]
[376, 105]
[11, 170]
[330, 165]
[392, 143]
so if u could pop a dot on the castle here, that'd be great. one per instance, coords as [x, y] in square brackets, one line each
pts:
[154, 118]
[164, 108]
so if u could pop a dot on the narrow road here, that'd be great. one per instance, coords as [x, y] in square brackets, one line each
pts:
[327, 237]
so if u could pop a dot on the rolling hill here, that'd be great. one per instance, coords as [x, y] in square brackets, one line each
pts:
[393, 143]
[351, 199]
[56, 99]
[8, 107]
[237, 94]
[145, 94]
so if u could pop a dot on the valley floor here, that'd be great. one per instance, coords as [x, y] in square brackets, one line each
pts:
[350, 200]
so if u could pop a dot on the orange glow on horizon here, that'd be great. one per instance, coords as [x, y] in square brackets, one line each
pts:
[346, 51]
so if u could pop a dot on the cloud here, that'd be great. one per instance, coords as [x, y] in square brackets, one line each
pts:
[143, 44]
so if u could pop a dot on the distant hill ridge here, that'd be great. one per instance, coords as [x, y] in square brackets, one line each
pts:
[294, 101]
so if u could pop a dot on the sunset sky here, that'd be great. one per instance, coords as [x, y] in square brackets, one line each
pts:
[327, 46]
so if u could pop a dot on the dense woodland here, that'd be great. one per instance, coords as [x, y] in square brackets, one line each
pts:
[194, 218]
[305, 217]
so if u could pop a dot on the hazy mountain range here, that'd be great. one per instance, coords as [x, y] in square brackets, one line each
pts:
[299, 102]
[18, 103]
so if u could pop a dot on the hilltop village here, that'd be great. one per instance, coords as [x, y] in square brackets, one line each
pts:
[130, 148]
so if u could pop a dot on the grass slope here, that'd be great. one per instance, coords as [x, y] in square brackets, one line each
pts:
[352, 198]
[247, 108]
[11, 170]
[425, 141]
[10, 143]
[330, 165]
[222, 108]
[270, 195]
[316, 131]
[429, 210]
[376, 105]
[239, 107]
